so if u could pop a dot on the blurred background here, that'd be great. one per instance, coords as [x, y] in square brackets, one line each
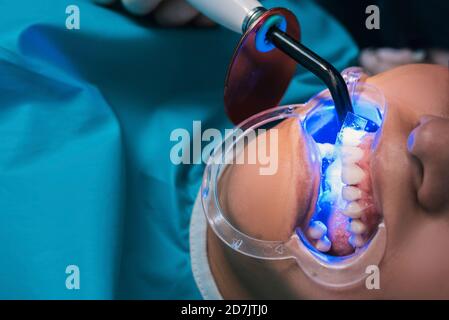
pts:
[410, 31]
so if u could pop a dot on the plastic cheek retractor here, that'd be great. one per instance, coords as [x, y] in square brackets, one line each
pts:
[326, 263]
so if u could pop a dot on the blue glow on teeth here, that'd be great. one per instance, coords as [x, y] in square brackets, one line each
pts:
[352, 131]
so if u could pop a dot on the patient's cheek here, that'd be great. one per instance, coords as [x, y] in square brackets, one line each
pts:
[270, 207]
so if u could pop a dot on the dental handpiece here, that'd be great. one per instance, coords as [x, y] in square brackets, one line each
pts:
[239, 15]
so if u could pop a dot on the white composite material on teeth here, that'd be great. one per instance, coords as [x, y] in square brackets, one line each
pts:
[352, 174]
[351, 193]
[326, 150]
[104, 1]
[354, 210]
[352, 137]
[317, 230]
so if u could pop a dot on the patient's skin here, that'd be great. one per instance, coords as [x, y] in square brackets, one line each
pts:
[410, 183]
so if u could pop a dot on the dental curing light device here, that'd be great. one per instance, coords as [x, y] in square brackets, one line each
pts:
[259, 73]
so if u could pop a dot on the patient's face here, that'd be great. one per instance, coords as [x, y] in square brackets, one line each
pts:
[409, 173]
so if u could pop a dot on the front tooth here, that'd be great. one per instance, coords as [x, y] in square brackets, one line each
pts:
[351, 193]
[354, 210]
[351, 155]
[356, 241]
[352, 174]
[317, 230]
[351, 137]
[357, 227]
[323, 245]
[326, 150]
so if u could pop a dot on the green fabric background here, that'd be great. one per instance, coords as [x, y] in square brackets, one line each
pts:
[85, 121]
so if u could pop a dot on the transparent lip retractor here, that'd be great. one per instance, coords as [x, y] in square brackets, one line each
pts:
[315, 117]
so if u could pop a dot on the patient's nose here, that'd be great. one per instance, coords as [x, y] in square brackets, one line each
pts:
[429, 143]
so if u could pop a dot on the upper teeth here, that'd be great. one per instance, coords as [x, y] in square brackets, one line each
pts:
[351, 193]
[350, 154]
[354, 209]
[352, 174]
[317, 231]
[344, 175]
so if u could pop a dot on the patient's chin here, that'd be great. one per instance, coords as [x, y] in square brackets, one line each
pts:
[270, 207]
